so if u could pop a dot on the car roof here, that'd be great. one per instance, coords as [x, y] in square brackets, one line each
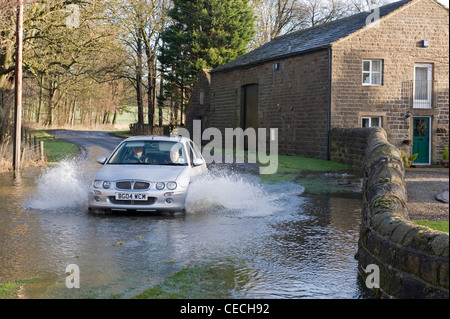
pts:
[179, 138]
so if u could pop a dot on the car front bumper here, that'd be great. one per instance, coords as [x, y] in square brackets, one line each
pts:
[157, 200]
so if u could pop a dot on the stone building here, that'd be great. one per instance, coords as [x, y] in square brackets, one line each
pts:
[388, 67]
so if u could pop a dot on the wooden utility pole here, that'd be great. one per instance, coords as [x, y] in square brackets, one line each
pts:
[18, 88]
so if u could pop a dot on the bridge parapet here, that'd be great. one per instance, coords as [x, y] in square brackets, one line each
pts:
[413, 260]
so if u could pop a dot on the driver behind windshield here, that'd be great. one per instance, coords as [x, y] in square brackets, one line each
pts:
[138, 154]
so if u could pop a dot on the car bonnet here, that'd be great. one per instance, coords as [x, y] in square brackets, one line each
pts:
[152, 173]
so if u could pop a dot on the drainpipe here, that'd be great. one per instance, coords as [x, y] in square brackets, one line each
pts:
[329, 103]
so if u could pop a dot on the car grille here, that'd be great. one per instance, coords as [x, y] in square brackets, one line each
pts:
[132, 185]
[123, 185]
[149, 201]
[141, 185]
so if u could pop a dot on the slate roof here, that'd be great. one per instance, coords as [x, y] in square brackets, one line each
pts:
[307, 40]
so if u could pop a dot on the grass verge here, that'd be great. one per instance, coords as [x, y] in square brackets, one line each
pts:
[291, 167]
[55, 149]
[11, 290]
[288, 164]
[433, 224]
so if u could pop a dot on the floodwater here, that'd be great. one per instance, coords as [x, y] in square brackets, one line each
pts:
[275, 240]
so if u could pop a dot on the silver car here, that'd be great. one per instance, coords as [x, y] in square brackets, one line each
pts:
[150, 173]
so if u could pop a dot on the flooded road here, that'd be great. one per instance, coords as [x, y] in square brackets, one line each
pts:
[267, 240]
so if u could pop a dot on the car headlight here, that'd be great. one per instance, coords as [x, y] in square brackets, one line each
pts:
[160, 185]
[106, 184]
[171, 185]
[98, 184]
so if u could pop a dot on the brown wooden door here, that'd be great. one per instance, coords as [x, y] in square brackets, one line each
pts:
[249, 113]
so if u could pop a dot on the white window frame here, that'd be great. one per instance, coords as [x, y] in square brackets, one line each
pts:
[423, 103]
[370, 118]
[371, 72]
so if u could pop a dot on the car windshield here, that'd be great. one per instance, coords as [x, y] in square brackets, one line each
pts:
[152, 152]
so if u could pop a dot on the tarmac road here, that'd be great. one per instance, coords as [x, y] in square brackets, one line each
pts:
[86, 139]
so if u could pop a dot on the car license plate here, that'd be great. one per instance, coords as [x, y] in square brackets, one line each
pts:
[131, 196]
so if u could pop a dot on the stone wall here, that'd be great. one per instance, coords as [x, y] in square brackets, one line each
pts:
[413, 261]
[348, 146]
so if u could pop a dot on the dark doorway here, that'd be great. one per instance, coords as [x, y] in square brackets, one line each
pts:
[249, 111]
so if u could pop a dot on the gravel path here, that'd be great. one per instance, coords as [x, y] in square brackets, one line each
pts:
[423, 185]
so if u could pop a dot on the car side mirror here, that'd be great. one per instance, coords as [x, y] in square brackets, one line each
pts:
[101, 160]
[197, 161]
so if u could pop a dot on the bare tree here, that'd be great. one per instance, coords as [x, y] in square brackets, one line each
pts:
[367, 5]
[141, 23]
[274, 18]
[278, 17]
[324, 11]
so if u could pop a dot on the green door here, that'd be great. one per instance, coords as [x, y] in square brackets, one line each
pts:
[421, 139]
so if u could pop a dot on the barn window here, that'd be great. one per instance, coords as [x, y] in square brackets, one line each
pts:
[371, 121]
[372, 73]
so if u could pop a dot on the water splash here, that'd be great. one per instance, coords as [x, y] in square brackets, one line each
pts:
[222, 191]
[62, 186]
[227, 192]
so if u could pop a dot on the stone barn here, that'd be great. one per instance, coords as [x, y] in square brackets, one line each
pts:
[388, 67]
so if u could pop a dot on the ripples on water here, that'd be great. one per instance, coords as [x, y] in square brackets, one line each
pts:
[280, 243]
